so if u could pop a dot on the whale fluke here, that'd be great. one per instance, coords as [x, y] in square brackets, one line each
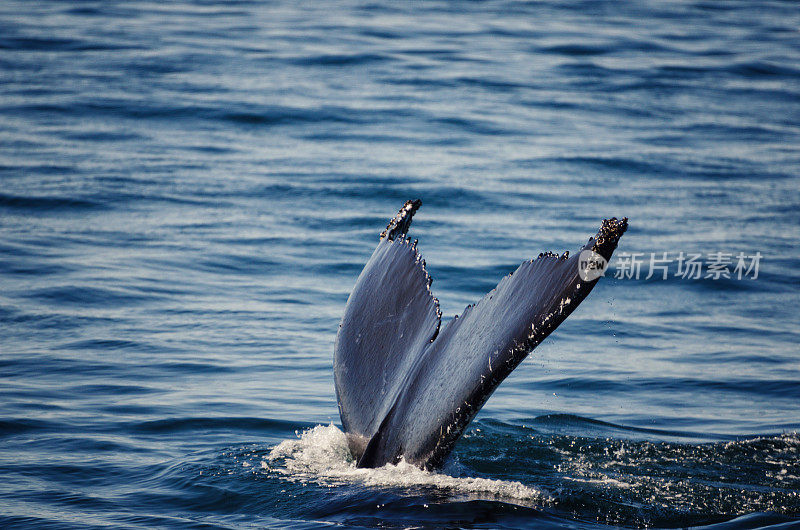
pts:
[408, 389]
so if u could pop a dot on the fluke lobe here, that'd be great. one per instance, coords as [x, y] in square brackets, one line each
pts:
[407, 388]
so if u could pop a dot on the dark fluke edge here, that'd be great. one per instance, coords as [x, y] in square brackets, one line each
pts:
[408, 389]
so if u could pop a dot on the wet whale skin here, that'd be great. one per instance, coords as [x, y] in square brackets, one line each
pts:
[408, 389]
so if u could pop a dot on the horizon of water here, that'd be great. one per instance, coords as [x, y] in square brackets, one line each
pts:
[189, 190]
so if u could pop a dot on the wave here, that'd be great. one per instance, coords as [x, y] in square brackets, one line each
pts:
[46, 203]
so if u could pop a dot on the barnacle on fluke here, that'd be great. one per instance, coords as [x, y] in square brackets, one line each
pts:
[407, 388]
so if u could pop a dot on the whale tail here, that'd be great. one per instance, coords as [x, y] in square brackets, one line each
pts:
[407, 389]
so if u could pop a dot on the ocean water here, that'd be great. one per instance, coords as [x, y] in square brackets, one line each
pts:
[189, 189]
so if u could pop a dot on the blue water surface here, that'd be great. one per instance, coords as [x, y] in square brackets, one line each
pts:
[189, 189]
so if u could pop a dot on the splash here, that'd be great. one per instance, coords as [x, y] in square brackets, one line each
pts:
[320, 455]
[601, 479]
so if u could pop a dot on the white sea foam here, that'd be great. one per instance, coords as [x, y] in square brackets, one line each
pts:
[320, 455]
